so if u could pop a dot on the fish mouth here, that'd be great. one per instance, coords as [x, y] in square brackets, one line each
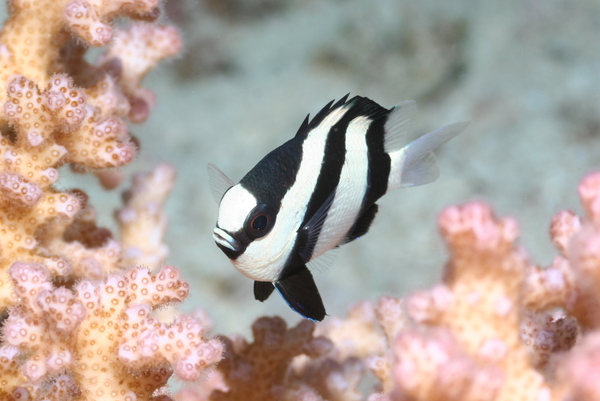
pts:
[224, 240]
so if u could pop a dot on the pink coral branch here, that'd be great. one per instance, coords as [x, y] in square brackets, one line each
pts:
[110, 324]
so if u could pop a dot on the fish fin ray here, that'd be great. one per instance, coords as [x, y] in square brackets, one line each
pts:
[309, 123]
[399, 126]
[263, 290]
[218, 182]
[302, 295]
[311, 230]
[363, 106]
[323, 262]
[304, 126]
[421, 172]
[419, 165]
[341, 102]
[363, 223]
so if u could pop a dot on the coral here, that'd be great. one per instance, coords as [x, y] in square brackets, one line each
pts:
[258, 371]
[477, 351]
[138, 50]
[58, 109]
[142, 220]
[79, 318]
[498, 327]
[547, 333]
[581, 248]
[104, 333]
[579, 370]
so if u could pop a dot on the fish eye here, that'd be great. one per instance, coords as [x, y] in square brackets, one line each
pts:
[260, 221]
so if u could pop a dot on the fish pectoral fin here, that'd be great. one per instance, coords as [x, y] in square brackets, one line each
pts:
[308, 235]
[263, 290]
[301, 294]
[419, 165]
[218, 182]
[363, 223]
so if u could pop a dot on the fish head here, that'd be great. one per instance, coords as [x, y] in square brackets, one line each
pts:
[248, 232]
[241, 221]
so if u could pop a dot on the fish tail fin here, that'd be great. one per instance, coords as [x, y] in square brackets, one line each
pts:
[416, 162]
[302, 295]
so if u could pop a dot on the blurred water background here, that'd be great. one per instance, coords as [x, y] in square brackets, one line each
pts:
[526, 73]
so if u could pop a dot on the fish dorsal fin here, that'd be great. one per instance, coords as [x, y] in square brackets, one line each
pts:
[419, 165]
[399, 127]
[364, 107]
[311, 230]
[302, 295]
[218, 182]
[304, 126]
[309, 123]
[341, 102]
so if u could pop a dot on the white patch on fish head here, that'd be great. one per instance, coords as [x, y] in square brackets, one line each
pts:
[235, 206]
[260, 258]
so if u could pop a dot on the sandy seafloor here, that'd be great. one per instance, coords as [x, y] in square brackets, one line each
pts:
[526, 73]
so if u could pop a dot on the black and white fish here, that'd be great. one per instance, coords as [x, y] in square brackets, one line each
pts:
[318, 191]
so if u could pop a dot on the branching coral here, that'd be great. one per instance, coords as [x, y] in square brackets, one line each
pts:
[103, 333]
[75, 327]
[143, 221]
[258, 371]
[58, 109]
[468, 346]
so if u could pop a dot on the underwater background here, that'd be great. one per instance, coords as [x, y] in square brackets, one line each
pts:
[526, 73]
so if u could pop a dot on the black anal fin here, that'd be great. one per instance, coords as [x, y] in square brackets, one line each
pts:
[363, 223]
[263, 290]
[300, 292]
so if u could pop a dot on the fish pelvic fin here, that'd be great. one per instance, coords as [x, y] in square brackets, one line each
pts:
[301, 294]
[263, 290]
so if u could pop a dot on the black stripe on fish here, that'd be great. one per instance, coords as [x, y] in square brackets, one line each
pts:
[332, 165]
[362, 225]
[378, 174]
[275, 174]
[329, 176]
[379, 162]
